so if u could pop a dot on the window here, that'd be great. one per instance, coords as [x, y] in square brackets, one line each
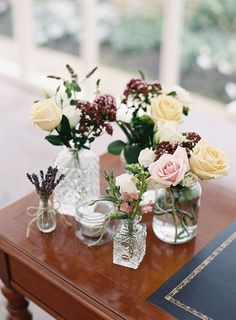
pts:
[208, 49]
[129, 34]
[5, 18]
[57, 24]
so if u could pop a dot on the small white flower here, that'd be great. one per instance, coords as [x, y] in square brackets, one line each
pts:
[189, 180]
[124, 114]
[126, 182]
[73, 115]
[146, 157]
[167, 131]
[181, 94]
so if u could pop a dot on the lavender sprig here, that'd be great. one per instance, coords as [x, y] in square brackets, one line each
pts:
[45, 183]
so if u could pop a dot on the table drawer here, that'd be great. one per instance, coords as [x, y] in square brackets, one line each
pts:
[56, 297]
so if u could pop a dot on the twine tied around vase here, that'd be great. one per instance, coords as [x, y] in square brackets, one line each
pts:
[102, 230]
[37, 212]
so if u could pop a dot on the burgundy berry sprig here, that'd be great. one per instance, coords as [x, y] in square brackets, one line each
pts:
[95, 117]
[192, 138]
[139, 93]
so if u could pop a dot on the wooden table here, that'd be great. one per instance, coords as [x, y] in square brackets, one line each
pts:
[74, 282]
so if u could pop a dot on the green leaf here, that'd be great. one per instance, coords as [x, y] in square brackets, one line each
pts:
[68, 92]
[91, 72]
[141, 74]
[54, 139]
[54, 77]
[46, 94]
[73, 102]
[172, 94]
[98, 83]
[185, 110]
[65, 130]
[131, 153]
[75, 86]
[116, 147]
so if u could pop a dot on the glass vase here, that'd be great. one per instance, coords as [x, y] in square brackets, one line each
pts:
[92, 225]
[175, 216]
[129, 244]
[81, 182]
[46, 217]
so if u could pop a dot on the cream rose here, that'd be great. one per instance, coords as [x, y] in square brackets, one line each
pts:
[170, 169]
[167, 131]
[46, 114]
[126, 182]
[207, 162]
[146, 157]
[166, 108]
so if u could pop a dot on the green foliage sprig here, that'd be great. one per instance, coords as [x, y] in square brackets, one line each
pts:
[128, 206]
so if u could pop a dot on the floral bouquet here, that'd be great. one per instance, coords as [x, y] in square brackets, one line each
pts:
[142, 105]
[70, 121]
[126, 193]
[75, 123]
[175, 166]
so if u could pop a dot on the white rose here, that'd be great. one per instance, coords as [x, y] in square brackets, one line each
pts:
[167, 131]
[46, 114]
[73, 115]
[146, 157]
[166, 108]
[181, 94]
[126, 182]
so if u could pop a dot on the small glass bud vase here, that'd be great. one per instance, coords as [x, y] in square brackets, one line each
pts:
[46, 217]
[82, 179]
[175, 216]
[129, 244]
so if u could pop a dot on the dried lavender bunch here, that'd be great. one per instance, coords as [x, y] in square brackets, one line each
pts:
[45, 183]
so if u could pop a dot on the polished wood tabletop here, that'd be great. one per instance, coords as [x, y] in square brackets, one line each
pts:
[74, 282]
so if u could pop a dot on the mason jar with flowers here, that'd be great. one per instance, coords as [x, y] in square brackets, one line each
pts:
[74, 124]
[175, 167]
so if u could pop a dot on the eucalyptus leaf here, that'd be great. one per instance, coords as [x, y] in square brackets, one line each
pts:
[131, 153]
[65, 130]
[116, 147]
[54, 139]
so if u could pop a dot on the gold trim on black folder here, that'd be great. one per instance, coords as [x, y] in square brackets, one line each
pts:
[170, 296]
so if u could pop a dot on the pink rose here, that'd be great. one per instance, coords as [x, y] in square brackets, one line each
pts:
[170, 169]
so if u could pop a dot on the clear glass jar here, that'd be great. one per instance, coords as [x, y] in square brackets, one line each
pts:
[46, 217]
[175, 216]
[129, 244]
[92, 225]
[82, 181]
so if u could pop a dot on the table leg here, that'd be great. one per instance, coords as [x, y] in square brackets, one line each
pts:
[17, 305]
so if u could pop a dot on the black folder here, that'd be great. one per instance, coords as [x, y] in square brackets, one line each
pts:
[205, 288]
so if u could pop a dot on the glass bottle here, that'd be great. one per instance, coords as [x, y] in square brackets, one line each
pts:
[46, 217]
[175, 216]
[81, 182]
[129, 244]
